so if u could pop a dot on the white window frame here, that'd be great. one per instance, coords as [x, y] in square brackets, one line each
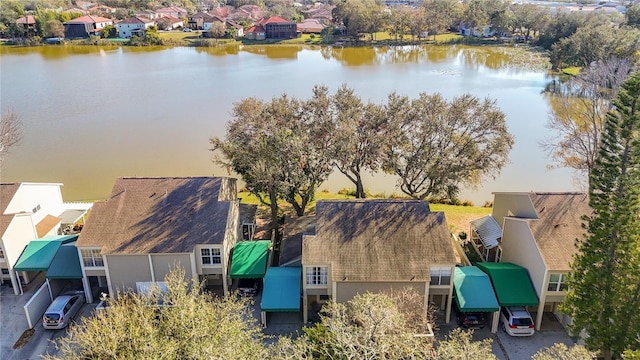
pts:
[91, 258]
[559, 284]
[440, 272]
[213, 254]
[317, 275]
[250, 230]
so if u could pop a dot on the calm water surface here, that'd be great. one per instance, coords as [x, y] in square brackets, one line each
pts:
[92, 114]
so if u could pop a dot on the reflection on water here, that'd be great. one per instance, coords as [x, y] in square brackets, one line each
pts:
[92, 114]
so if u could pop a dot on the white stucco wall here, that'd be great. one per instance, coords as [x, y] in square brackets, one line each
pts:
[20, 231]
[520, 248]
[512, 204]
[30, 195]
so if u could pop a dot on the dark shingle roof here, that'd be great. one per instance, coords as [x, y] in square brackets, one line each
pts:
[558, 226]
[378, 240]
[160, 215]
[294, 228]
[7, 191]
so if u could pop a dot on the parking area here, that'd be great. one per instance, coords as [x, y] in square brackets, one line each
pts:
[14, 327]
[507, 347]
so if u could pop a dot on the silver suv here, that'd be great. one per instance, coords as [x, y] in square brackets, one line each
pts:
[516, 321]
[62, 310]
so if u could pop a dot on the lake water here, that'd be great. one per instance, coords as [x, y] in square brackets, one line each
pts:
[92, 114]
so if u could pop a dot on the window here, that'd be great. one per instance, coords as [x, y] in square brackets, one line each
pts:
[210, 256]
[440, 275]
[557, 282]
[317, 275]
[247, 231]
[1, 254]
[92, 257]
[36, 209]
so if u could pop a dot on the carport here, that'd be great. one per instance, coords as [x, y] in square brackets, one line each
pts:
[512, 286]
[249, 259]
[58, 256]
[473, 290]
[281, 291]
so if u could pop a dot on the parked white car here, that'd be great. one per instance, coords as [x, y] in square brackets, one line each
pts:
[62, 310]
[516, 321]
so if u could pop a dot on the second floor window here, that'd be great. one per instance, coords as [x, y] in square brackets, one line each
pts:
[92, 258]
[210, 256]
[557, 282]
[317, 275]
[440, 275]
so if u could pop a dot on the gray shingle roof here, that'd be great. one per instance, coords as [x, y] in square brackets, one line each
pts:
[378, 240]
[160, 215]
[558, 226]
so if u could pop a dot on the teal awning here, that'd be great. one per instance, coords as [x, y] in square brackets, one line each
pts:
[511, 283]
[249, 259]
[66, 264]
[37, 256]
[474, 292]
[281, 289]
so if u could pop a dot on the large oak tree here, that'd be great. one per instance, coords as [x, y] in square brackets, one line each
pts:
[441, 145]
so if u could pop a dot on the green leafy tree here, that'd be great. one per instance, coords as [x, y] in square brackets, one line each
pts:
[360, 136]
[440, 15]
[604, 285]
[633, 16]
[529, 18]
[474, 14]
[439, 145]
[217, 30]
[561, 351]
[109, 32]
[197, 325]
[459, 345]
[398, 23]
[369, 326]
[53, 28]
[591, 44]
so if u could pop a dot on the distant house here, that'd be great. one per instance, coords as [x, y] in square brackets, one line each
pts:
[169, 23]
[256, 32]
[537, 231]
[149, 14]
[85, 26]
[173, 11]
[320, 12]
[147, 225]
[310, 26]
[247, 12]
[276, 27]
[28, 23]
[30, 211]
[363, 246]
[134, 25]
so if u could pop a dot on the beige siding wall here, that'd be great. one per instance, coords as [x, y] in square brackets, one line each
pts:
[228, 190]
[100, 272]
[126, 270]
[519, 247]
[512, 205]
[345, 291]
[162, 263]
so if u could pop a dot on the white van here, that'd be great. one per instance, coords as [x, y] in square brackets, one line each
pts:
[62, 310]
[516, 321]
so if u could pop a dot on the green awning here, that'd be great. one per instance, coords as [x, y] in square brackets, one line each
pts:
[37, 256]
[249, 259]
[511, 283]
[66, 264]
[281, 289]
[474, 292]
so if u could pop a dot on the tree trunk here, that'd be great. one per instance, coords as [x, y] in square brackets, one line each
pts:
[359, 188]
[274, 211]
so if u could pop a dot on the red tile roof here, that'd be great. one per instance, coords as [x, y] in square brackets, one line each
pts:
[272, 19]
[29, 19]
[256, 29]
[136, 20]
[89, 19]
